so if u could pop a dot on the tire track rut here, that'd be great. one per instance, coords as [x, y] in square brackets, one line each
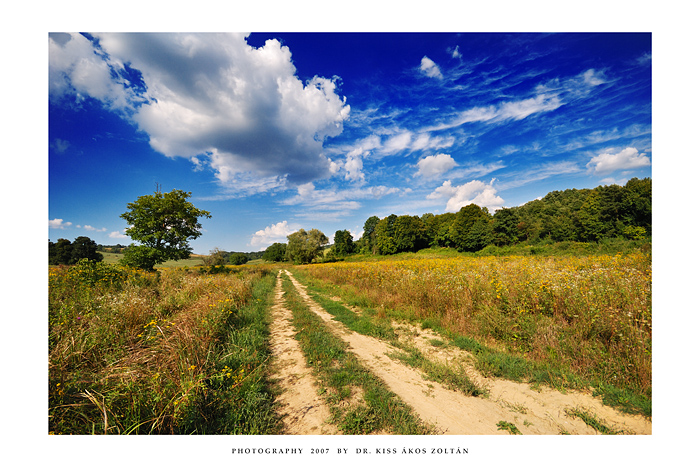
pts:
[535, 412]
[303, 411]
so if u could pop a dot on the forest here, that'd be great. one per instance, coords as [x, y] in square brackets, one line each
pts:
[581, 215]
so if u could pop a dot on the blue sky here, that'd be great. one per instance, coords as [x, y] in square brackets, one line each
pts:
[272, 132]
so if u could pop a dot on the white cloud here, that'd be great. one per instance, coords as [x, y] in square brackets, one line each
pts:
[455, 52]
[241, 110]
[397, 143]
[93, 229]
[60, 146]
[59, 224]
[429, 68]
[545, 97]
[627, 159]
[593, 78]
[331, 204]
[476, 192]
[275, 233]
[434, 166]
[118, 235]
[353, 167]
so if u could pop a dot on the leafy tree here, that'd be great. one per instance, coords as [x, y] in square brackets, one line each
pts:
[237, 258]
[275, 252]
[163, 223]
[505, 227]
[461, 231]
[410, 234]
[592, 227]
[84, 247]
[442, 223]
[303, 246]
[635, 206]
[60, 252]
[369, 236]
[342, 243]
[216, 257]
[384, 236]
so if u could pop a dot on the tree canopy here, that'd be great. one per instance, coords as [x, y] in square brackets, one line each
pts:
[303, 246]
[163, 223]
[275, 252]
[586, 215]
[342, 243]
[65, 252]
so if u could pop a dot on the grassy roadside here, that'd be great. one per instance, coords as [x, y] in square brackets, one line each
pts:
[506, 358]
[359, 401]
[171, 352]
[370, 324]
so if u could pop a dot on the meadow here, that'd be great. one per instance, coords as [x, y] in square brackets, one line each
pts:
[170, 352]
[565, 321]
[185, 350]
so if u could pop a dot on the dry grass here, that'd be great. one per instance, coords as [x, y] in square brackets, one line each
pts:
[588, 315]
[136, 353]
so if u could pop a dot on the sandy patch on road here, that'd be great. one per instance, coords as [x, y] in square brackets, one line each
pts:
[303, 410]
[532, 412]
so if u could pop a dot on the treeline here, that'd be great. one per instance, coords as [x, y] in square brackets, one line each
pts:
[583, 215]
[66, 252]
[219, 257]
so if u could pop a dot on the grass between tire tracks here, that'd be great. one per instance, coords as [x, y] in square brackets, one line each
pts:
[375, 320]
[369, 324]
[359, 402]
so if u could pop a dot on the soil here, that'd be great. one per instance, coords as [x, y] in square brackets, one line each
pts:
[532, 411]
[303, 411]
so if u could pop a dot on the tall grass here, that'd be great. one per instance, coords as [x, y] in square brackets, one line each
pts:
[133, 352]
[589, 316]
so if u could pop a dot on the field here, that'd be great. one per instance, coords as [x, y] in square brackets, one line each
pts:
[188, 351]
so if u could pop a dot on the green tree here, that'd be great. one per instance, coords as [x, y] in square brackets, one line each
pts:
[410, 234]
[216, 257]
[342, 243]
[237, 258]
[471, 217]
[275, 252]
[636, 203]
[369, 236]
[592, 226]
[163, 223]
[384, 236]
[505, 227]
[60, 252]
[303, 246]
[84, 247]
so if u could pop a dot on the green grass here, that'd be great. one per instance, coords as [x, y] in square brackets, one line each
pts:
[593, 421]
[172, 352]
[370, 324]
[509, 427]
[113, 258]
[343, 376]
[575, 320]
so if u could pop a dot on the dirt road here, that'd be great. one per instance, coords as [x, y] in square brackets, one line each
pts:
[542, 411]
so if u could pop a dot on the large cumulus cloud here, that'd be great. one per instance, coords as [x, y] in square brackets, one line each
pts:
[210, 98]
